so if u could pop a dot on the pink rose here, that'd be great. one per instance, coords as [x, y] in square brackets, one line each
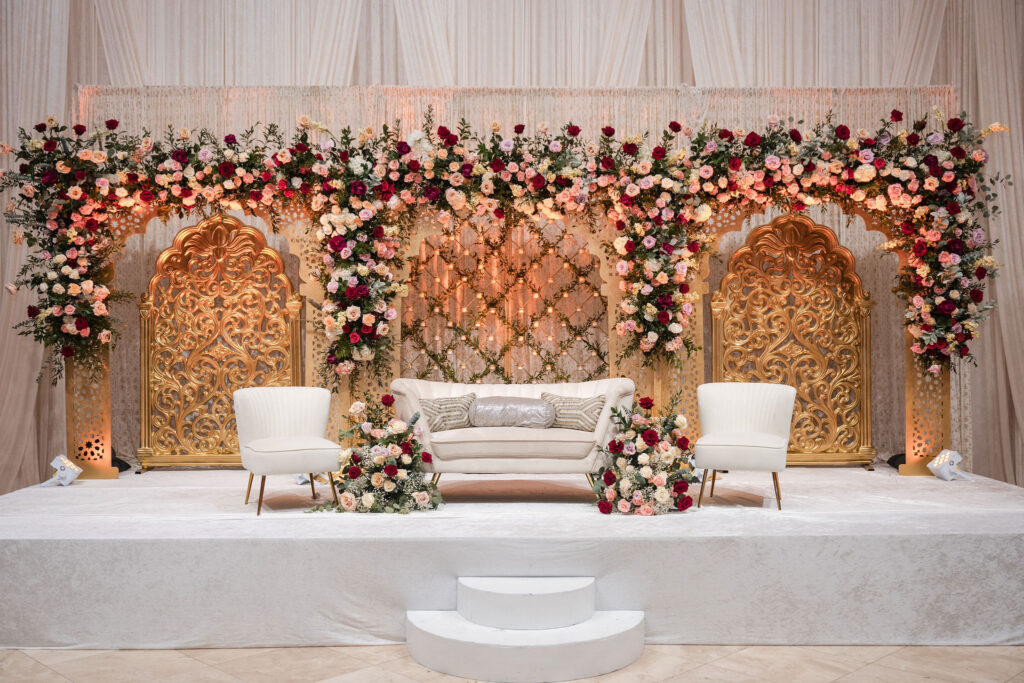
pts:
[645, 510]
[624, 506]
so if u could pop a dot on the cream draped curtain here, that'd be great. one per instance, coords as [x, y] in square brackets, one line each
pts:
[49, 45]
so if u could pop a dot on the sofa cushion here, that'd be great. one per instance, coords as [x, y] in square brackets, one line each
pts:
[511, 442]
[447, 413]
[511, 411]
[757, 451]
[290, 455]
[575, 413]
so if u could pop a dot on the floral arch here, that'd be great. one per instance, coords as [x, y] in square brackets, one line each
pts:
[650, 202]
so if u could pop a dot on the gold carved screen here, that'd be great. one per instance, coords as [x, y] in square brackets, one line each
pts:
[492, 301]
[791, 310]
[219, 315]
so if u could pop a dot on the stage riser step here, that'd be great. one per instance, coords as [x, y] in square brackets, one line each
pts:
[446, 642]
[513, 602]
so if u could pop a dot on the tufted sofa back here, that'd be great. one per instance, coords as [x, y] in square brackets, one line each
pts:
[264, 412]
[746, 407]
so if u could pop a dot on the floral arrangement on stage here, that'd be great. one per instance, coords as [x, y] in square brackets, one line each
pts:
[361, 190]
[650, 471]
[385, 473]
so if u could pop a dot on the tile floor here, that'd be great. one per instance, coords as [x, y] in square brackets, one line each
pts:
[861, 664]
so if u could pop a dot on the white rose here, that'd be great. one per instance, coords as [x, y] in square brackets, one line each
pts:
[357, 408]
[367, 500]
[643, 459]
[681, 421]
[646, 472]
[702, 214]
[661, 495]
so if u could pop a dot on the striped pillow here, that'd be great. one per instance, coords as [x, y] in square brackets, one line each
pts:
[447, 413]
[575, 413]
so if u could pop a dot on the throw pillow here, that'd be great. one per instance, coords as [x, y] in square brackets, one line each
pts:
[575, 413]
[511, 411]
[447, 413]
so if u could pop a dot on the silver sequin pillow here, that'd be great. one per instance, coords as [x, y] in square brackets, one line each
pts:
[511, 411]
[447, 413]
[575, 413]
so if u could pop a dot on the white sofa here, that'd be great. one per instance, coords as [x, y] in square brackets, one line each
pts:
[514, 450]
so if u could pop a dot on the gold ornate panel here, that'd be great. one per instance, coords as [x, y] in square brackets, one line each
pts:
[219, 315]
[792, 310]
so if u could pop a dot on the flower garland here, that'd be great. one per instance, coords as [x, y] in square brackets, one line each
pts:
[650, 469]
[361, 191]
[384, 474]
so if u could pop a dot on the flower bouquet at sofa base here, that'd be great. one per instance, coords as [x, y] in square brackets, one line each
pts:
[384, 473]
[650, 470]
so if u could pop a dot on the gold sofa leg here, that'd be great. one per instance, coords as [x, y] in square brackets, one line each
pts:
[714, 473]
[312, 485]
[259, 504]
[703, 480]
[436, 478]
[248, 489]
[778, 491]
[334, 489]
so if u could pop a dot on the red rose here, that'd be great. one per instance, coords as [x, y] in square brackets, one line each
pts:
[684, 503]
[40, 127]
[680, 487]
[226, 169]
[146, 196]
[920, 248]
[406, 447]
[180, 155]
[913, 139]
[497, 165]
[630, 148]
[650, 437]
[735, 163]
[357, 188]
[842, 132]
[907, 228]
[414, 165]
[615, 446]
[230, 140]
[646, 402]
[607, 131]
[958, 152]
[33, 311]
[693, 247]
[725, 134]
[956, 245]
[499, 213]
[682, 443]
[977, 295]
[752, 139]
[605, 506]
[354, 472]
[955, 124]
[573, 130]
[67, 351]
[519, 129]
[443, 132]
[964, 350]
[425, 456]
[354, 337]
[451, 140]
[50, 145]
[391, 470]
[81, 323]
[795, 136]
[980, 272]
[946, 308]
[432, 193]
[664, 317]
[79, 129]
[896, 115]
[111, 124]
[403, 147]
[953, 208]
[607, 163]
[658, 153]
[538, 181]
[608, 478]
[388, 400]
[674, 126]
[629, 246]
[336, 243]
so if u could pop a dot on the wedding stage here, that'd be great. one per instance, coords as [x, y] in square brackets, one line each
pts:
[173, 559]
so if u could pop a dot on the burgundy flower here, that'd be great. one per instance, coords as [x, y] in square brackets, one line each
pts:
[432, 192]
[795, 136]
[659, 153]
[67, 351]
[607, 163]
[913, 139]
[725, 134]
[230, 140]
[956, 245]
[630, 148]
[955, 124]
[608, 478]
[842, 132]
[538, 181]
[111, 124]
[646, 402]
[414, 165]
[390, 470]
[499, 213]
[615, 446]
[680, 487]
[180, 155]
[964, 350]
[629, 246]
[48, 178]
[977, 295]
[735, 163]
[354, 337]
[81, 323]
[896, 115]
[980, 272]
[607, 131]
[573, 130]
[674, 126]
[958, 152]
[40, 127]
[684, 288]
[953, 208]
[33, 311]
[519, 128]
[467, 170]
[497, 165]
[146, 196]
[425, 456]
[403, 147]
[79, 129]
[406, 447]
[907, 228]
[357, 188]
[664, 317]
[920, 248]
[684, 503]
[605, 507]
[682, 443]
[336, 243]
[752, 139]
[443, 132]
[354, 472]
[387, 400]
[226, 169]
[50, 145]
[650, 437]
[451, 140]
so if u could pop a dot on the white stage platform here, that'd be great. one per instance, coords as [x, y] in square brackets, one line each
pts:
[175, 560]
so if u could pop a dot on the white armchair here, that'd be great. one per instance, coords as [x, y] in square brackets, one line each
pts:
[281, 431]
[744, 426]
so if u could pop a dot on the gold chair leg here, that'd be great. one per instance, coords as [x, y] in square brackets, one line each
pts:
[248, 489]
[312, 485]
[434, 479]
[778, 492]
[713, 474]
[703, 480]
[334, 489]
[259, 504]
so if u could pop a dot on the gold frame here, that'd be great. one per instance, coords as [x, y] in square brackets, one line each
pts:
[776, 238]
[147, 454]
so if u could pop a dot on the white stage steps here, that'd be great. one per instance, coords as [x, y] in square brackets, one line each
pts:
[509, 628]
